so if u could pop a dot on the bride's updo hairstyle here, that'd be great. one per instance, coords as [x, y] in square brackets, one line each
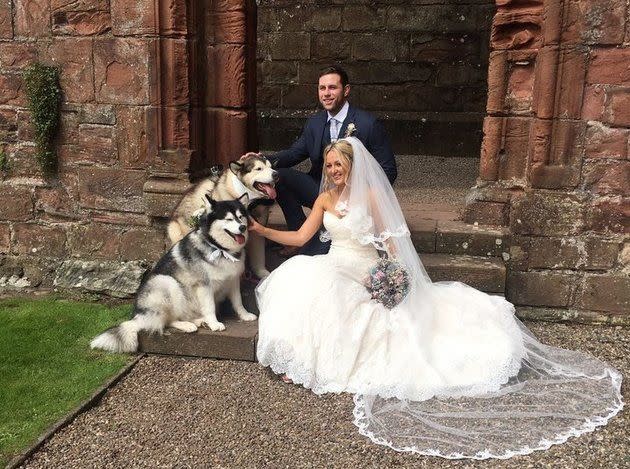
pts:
[345, 151]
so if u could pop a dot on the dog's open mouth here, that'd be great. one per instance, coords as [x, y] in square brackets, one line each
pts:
[268, 189]
[239, 238]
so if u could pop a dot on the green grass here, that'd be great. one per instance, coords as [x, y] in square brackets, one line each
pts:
[46, 365]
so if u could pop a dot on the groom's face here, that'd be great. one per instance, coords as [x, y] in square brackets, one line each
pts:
[332, 94]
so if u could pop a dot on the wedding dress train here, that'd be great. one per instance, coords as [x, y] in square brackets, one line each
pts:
[449, 372]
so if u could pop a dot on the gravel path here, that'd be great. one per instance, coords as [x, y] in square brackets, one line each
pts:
[175, 412]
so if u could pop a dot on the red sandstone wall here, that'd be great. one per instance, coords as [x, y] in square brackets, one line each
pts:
[555, 153]
[150, 88]
[95, 208]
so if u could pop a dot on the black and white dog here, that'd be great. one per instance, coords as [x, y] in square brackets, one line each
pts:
[187, 283]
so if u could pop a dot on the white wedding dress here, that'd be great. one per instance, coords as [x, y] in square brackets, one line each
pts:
[449, 372]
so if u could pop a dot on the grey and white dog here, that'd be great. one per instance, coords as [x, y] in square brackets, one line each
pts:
[252, 175]
[187, 283]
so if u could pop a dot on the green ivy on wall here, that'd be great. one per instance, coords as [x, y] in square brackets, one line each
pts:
[44, 101]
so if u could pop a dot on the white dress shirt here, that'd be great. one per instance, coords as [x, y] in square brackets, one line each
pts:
[337, 121]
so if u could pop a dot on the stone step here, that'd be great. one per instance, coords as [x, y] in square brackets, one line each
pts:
[435, 229]
[236, 342]
[483, 273]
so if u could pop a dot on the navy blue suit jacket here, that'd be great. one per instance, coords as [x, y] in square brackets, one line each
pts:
[316, 136]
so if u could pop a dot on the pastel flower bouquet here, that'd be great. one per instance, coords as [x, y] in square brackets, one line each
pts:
[388, 282]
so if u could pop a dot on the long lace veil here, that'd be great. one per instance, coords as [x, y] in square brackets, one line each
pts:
[539, 396]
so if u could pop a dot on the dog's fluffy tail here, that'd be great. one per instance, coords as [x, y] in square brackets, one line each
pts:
[174, 231]
[121, 338]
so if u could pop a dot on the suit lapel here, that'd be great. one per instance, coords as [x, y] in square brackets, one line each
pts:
[349, 118]
[319, 135]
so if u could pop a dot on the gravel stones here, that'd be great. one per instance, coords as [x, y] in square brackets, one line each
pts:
[178, 412]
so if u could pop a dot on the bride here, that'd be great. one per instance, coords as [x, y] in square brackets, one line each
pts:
[449, 371]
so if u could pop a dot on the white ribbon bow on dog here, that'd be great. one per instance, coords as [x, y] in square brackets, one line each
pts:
[241, 189]
[215, 255]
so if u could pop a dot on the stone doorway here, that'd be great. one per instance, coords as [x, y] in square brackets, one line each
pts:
[421, 68]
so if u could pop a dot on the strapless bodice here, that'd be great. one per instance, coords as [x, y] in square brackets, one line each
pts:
[342, 241]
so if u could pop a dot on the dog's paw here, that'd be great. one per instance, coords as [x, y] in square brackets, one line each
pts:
[215, 325]
[261, 273]
[184, 326]
[247, 316]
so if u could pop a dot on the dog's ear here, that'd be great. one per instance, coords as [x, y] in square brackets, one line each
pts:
[207, 200]
[244, 199]
[235, 166]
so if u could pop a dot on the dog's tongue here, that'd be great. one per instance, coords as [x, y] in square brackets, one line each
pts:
[240, 239]
[269, 190]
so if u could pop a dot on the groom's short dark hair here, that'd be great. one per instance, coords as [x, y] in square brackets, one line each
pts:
[338, 70]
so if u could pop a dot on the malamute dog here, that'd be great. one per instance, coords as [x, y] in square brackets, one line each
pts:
[187, 283]
[252, 175]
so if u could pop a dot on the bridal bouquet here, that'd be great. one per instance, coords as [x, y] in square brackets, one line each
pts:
[388, 282]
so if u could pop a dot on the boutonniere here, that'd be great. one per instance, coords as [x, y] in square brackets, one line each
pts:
[350, 130]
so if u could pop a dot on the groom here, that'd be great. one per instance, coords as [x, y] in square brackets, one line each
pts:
[296, 189]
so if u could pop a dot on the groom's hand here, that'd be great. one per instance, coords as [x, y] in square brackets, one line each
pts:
[249, 154]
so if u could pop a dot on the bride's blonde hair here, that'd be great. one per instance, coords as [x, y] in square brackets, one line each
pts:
[345, 152]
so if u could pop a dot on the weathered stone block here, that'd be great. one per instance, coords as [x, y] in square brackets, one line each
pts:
[606, 142]
[607, 177]
[6, 20]
[444, 48]
[423, 235]
[609, 67]
[227, 64]
[608, 292]
[116, 279]
[104, 114]
[609, 214]
[133, 137]
[26, 132]
[17, 54]
[329, 19]
[547, 213]
[39, 240]
[230, 25]
[142, 244]
[5, 238]
[278, 72]
[482, 273]
[455, 237]
[111, 189]
[299, 96]
[94, 241]
[133, 18]
[12, 90]
[97, 144]
[594, 22]
[121, 70]
[55, 202]
[16, 203]
[594, 102]
[554, 289]
[32, 18]
[572, 253]
[363, 17]
[289, 46]
[332, 46]
[237, 342]
[81, 23]
[74, 55]
[617, 110]
[487, 213]
[376, 47]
